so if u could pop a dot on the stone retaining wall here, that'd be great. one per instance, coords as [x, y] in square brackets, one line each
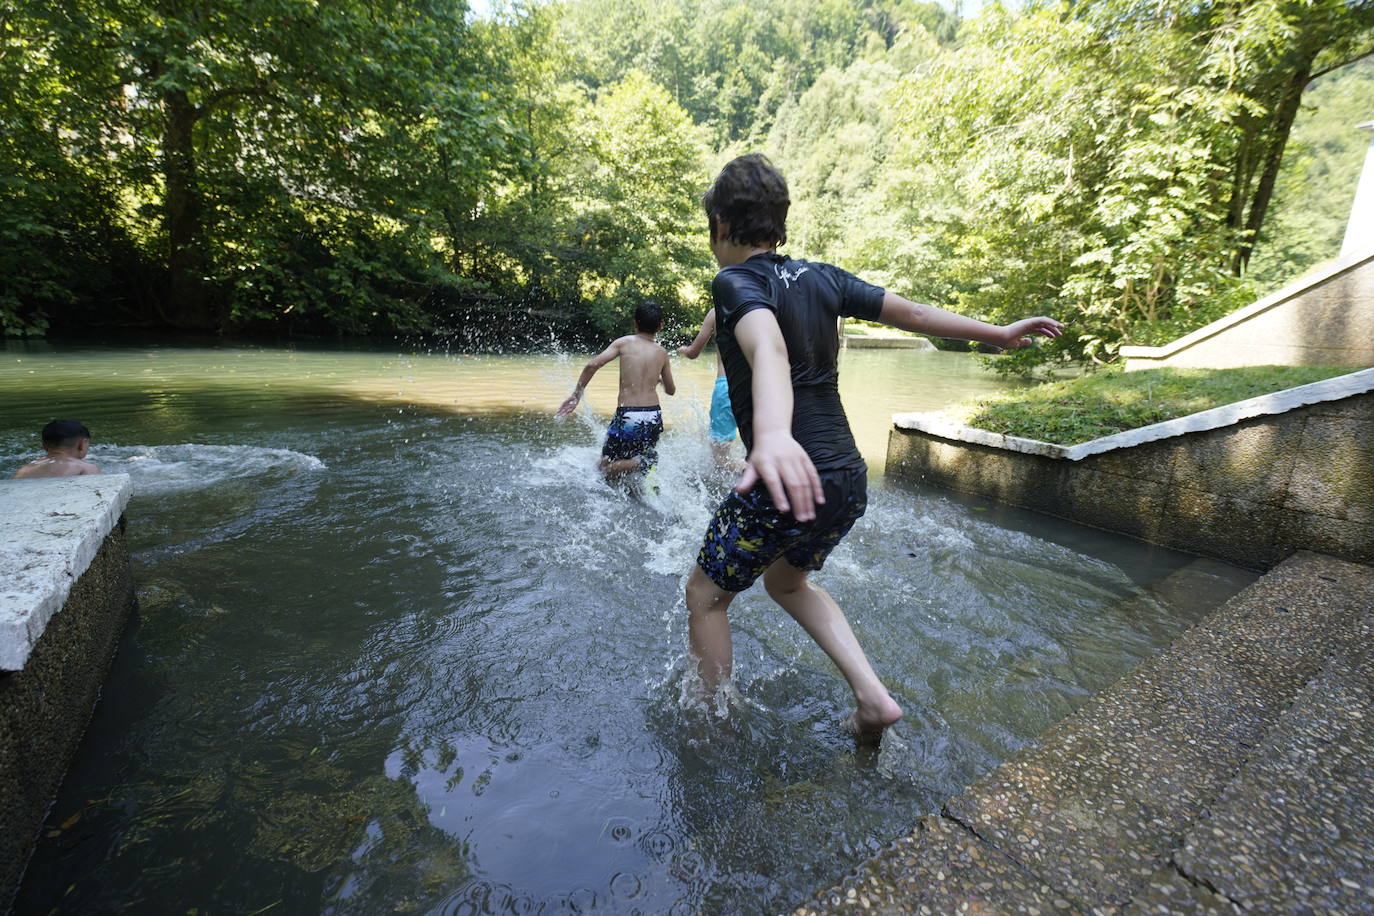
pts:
[1249, 492]
[79, 559]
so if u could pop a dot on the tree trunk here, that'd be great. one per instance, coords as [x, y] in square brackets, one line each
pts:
[1285, 112]
[187, 302]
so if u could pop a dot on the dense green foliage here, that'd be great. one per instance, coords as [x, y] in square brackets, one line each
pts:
[732, 65]
[1102, 403]
[359, 167]
[374, 167]
[1106, 164]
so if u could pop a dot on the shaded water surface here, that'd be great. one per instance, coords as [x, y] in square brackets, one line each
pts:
[399, 650]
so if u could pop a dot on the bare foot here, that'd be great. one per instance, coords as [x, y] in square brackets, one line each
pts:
[866, 723]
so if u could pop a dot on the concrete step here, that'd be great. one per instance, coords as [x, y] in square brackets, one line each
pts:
[1092, 816]
[1292, 833]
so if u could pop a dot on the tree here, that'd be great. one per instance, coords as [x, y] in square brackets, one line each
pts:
[58, 194]
[1316, 184]
[1067, 175]
[248, 135]
[636, 231]
[731, 64]
[1266, 52]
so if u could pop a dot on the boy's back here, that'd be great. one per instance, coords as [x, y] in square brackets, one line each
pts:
[638, 422]
[641, 368]
[61, 466]
[67, 443]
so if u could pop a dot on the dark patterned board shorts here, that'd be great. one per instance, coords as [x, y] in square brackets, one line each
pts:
[634, 433]
[748, 533]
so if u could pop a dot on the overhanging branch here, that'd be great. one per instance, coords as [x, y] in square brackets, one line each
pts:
[1345, 63]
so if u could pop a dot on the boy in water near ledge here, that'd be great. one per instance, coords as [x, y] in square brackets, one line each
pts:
[805, 484]
[632, 439]
[66, 442]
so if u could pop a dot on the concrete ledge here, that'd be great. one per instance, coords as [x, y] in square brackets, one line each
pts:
[50, 530]
[65, 539]
[1331, 389]
[1248, 483]
[858, 342]
[1302, 796]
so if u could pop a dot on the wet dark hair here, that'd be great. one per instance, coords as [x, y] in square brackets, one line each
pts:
[648, 317]
[64, 434]
[751, 195]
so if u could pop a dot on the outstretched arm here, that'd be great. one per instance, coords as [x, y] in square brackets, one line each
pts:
[595, 363]
[927, 319]
[776, 458]
[708, 327]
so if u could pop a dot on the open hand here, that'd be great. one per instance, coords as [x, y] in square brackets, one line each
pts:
[1018, 332]
[786, 470]
[569, 405]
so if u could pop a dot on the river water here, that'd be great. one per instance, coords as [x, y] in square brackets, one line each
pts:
[400, 650]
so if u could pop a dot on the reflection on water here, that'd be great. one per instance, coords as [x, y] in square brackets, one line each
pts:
[400, 650]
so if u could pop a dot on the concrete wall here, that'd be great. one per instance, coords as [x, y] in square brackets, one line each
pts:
[859, 342]
[46, 704]
[1325, 319]
[1250, 493]
[1359, 229]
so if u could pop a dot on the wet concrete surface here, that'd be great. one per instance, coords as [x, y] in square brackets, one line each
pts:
[1230, 772]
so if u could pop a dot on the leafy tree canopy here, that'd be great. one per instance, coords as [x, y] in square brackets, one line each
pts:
[362, 167]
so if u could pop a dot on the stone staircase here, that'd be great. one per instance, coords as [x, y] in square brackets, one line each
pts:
[1232, 772]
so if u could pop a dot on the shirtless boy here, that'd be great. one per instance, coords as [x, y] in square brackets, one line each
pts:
[632, 439]
[66, 442]
[723, 428]
[805, 484]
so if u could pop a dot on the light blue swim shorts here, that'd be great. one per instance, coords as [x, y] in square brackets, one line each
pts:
[723, 427]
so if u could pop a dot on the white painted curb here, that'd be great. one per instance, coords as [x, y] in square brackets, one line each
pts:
[1331, 389]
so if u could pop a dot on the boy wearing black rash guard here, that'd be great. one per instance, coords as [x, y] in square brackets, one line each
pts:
[805, 484]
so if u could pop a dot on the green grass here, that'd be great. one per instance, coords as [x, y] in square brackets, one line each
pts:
[1110, 401]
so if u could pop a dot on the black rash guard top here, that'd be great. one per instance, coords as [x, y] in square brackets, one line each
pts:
[808, 298]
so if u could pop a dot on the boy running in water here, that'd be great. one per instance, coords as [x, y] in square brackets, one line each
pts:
[805, 484]
[632, 439]
[723, 429]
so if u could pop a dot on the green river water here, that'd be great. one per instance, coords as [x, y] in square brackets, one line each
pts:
[400, 650]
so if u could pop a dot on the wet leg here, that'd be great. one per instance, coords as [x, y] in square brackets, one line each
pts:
[708, 629]
[614, 470]
[813, 608]
[723, 456]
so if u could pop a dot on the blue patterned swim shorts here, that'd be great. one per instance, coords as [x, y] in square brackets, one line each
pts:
[748, 533]
[634, 433]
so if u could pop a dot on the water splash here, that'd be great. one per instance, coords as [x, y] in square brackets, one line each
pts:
[166, 469]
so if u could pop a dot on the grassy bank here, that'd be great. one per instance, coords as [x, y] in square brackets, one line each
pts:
[1110, 401]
